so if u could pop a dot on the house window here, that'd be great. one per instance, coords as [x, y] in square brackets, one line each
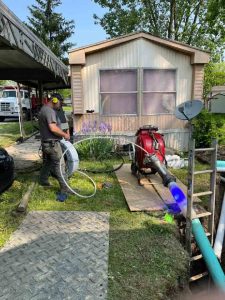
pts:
[118, 92]
[159, 91]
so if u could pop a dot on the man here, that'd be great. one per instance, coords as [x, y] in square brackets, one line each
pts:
[61, 114]
[51, 134]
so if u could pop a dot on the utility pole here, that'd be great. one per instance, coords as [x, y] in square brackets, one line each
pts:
[20, 111]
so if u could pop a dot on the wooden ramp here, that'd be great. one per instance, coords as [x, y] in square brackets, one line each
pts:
[152, 196]
[139, 198]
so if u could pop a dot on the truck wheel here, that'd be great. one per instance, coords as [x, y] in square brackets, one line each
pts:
[26, 115]
[2, 119]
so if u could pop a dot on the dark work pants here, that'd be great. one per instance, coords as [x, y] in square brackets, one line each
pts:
[52, 154]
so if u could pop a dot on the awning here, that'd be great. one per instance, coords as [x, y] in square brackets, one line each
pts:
[24, 58]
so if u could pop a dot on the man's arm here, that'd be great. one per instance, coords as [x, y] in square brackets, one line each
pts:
[57, 131]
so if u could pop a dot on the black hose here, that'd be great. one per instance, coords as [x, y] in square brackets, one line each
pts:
[106, 171]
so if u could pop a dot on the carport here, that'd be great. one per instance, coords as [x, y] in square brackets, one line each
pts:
[25, 59]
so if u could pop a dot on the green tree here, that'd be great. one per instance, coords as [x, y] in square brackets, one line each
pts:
[188, 21]
[51, 27]
[2, 82]
[214, 74]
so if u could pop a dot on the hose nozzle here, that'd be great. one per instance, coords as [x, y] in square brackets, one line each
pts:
[153, 161]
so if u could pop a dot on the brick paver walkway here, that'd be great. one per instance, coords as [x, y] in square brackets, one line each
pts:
[56, 255]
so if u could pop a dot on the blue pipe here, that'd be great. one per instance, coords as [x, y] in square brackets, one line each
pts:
[220, 163]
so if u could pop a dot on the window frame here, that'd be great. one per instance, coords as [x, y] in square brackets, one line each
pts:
[127, 92]
[140, 90]
[159, 92]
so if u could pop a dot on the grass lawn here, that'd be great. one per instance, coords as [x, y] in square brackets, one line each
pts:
[67, 108]
[146, 259]
[11, 132]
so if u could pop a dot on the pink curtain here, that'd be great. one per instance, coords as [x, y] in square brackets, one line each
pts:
[119, 104]
[118, 89]
[159, 91]
[158, 103]
[159, 80]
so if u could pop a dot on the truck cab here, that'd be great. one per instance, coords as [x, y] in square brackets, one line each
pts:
[9, 107]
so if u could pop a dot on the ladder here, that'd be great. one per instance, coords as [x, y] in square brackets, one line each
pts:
[191, 194]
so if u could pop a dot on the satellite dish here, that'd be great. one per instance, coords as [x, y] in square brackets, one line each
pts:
[188, 110]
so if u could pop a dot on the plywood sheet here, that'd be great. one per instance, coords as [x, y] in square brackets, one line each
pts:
[164, 192]
[161, 189]
[139, 198]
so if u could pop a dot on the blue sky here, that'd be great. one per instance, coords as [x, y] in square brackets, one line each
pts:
[81, 11]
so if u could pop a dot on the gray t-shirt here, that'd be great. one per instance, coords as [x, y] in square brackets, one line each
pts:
[48, 116]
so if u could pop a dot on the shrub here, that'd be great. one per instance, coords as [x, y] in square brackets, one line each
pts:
[208, 126]
[98, 148]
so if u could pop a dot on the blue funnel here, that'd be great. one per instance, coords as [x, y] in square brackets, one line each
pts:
[178, 196]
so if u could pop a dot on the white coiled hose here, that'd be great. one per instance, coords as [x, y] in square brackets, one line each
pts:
[68, 151]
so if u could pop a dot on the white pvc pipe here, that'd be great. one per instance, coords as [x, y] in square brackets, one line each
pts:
[218, 245]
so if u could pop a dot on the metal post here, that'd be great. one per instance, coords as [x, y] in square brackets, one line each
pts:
[20, 111]
[40, 91]
[213, 190]
[190, 191]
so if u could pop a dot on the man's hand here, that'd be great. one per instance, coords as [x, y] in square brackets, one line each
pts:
[68, 133]
[57, 131]
[66, 136]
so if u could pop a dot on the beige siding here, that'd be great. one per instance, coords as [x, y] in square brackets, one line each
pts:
[123, 56]
[198, 75]
[138, 53]
[155, 56]
[176, 137]
[130, 124]
[77, 89]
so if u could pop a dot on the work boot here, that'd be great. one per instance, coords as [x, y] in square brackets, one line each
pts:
[69, 192]
[45, 184]
[61, 197]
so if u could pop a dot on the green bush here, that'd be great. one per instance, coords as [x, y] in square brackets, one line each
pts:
[97, 149]
[208, 126]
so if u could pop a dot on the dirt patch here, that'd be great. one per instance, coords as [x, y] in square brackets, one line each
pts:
[205, 156]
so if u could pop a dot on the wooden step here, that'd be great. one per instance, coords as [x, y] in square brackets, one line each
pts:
[196, 257]
[202, 194]
[202, 215]
[198, 276]
[200, 211]
[204, 149]
[203, 172]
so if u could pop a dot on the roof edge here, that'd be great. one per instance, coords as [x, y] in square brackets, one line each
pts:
[134, 35]
[198, 56]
